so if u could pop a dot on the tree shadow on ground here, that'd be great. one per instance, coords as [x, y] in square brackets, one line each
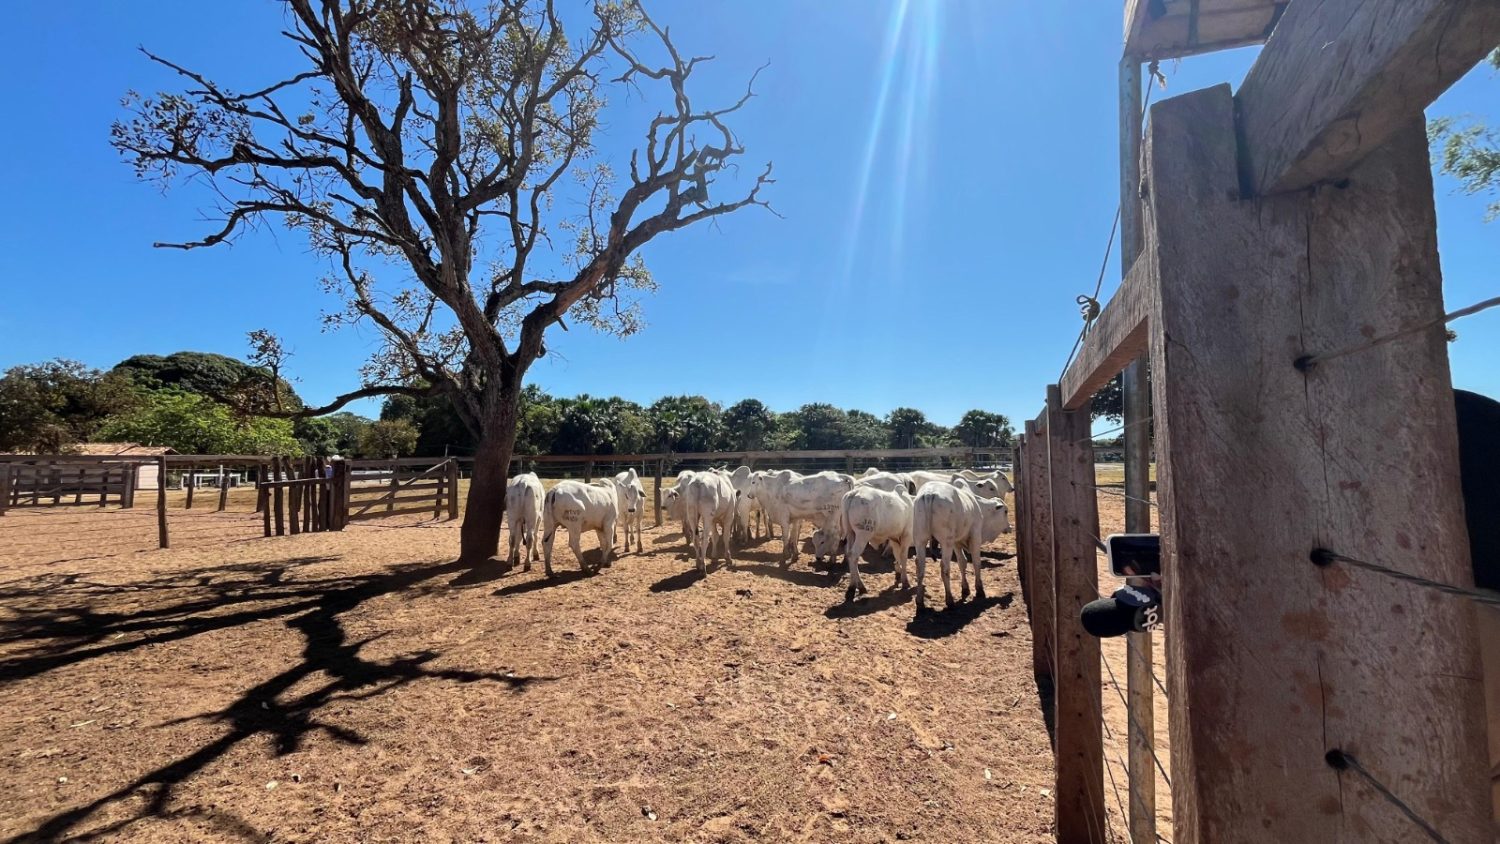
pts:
[218, 600]
[938, 624]
[890, 598]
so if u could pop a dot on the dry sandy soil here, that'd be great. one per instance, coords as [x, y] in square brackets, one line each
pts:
[359, 686]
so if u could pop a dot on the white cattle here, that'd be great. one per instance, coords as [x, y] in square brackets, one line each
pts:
[709, 507]
[871, 516]
[523, 516]
[744, 505]
[632, 505]
[791, 499]
[676, 504]
[578, 507]
[991, 485]
[958, 519]
[888, 481]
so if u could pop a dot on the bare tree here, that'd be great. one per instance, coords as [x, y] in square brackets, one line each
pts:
[437, 152]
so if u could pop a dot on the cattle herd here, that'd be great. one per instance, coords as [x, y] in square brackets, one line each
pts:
[950, 513]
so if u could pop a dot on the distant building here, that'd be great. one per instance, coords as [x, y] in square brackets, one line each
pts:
[145, 477]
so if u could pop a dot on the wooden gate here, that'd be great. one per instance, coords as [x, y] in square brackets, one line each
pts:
[375, 489]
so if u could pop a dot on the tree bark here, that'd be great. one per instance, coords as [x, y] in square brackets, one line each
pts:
[479, 538]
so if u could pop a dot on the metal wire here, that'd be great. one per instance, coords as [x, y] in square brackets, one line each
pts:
[1112, 491]
[1121, 692]
[1306, 362]
[1343, 761]
[1115, 430]
[1323, 557]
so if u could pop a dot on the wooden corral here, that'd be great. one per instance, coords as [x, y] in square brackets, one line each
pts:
[1310, 699]
[1163, 29]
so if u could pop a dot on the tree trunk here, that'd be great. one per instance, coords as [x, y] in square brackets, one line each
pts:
[479, 538]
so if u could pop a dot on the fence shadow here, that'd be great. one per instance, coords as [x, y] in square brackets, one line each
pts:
[331, 667]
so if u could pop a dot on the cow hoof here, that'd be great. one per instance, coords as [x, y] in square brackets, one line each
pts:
[849, 595]
[979, 594]
[950, 602]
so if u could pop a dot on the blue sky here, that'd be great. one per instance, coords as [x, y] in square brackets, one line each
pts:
[945, 186]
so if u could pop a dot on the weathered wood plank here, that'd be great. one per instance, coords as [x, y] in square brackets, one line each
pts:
[1167, 30]
[1272, 661]
[1336, 79]
[1079, 723]
[1118, 337]
[1039, 557]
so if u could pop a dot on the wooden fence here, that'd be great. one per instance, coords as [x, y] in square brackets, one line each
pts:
[57, 483]
[375, 489]
[1286, 232]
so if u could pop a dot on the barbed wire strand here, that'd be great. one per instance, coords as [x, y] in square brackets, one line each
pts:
[1323, 557]
[1342, 761]
[1306, 362]
[1115, 430]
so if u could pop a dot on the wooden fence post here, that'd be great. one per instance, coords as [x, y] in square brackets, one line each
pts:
[223, 489]
[453, 479]
[1291, 661]
[4, 487]
[278, 496]
[1079, 720]
[588, 471]
[395, 471]
[661, 469]
[190, 483]
[344, 473]
[1022, 517]
[260, 480]
[1039, 552]
[161, 502]
[262, 501]
[132, 478]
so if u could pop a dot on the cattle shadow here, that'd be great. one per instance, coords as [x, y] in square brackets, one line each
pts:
[940, 624]
[287, 707]
[870, 604]
[484, 572]
[536, 584]
[794, 576]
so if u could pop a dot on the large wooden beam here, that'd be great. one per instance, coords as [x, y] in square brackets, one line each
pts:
[1169, 29]
[1117, 338]
[1038, 554]
[1337, 78]
[1274, 662]
[1075, 526]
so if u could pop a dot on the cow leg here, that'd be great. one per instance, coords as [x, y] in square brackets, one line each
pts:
[975, 558]
[548, 540]
[921, 581]
[575, 541]
[700, 545]
[854, 548]
[606, 551]
[728, 555]
[948, 550]
[790, 531]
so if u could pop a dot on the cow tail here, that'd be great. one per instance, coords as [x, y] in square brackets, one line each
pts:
[547, 517]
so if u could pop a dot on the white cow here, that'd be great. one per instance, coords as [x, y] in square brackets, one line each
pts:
[991, 485]
[523, 516]
[888, 481]
[791, 499]
[871, 516]
[676, 504]
[579, 507]
[709, 507]
[744, 505]
[631, 514]
[958, 519]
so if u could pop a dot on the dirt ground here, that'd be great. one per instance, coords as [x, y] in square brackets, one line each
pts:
[359, 686]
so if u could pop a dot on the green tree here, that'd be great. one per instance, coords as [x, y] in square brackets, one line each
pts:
[685, 423]
[48, 406]
[749, 426]
[388, 438]
[195, 424]
[334, 434]
[219, 377]
[590, 425]
[456, 139]
[1467, 149]
[541, 416]
[864, 430]
[439, 428]
[908, 426]
[982, 429]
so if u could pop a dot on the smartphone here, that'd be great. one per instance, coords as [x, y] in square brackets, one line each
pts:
[1134, 554]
